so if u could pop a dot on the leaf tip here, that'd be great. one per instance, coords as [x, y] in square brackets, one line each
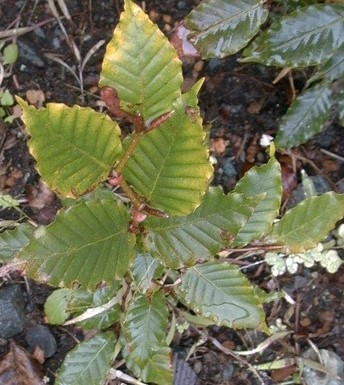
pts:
[22, 103]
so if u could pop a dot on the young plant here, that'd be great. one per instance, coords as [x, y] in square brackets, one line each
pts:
[140, 255]
[311, 35]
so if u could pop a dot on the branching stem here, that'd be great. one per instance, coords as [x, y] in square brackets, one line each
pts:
[134, 142]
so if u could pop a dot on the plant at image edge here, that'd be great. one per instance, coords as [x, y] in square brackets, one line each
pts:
[309, 35]
[139, 264]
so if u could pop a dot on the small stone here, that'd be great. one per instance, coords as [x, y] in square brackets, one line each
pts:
[167, 19]
[199, 66]
[197, 366]
[227, 372]
[181, 4]
[153, 15]
[40, 335]
[12, 311]
[229, 169]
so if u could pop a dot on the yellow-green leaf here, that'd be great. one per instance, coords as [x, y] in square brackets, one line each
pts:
[221, 293]
[179, 242]
[265, 179]
[141, 65]
[304, 226]
[88, 243]
[75, 147]
[169, 166]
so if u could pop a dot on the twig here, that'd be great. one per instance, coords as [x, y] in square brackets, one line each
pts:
[23, 30]
[124, 377]
[255, 248]
[229, 352]
[332, 155]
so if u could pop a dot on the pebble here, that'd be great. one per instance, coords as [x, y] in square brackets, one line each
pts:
[331, 361]
[229, 169]
[183, 374]
[167, 19]
[227, 372]
[181, 4]
[28, 52]
[12, 310]
[40, 335]
[153, 15]
[198, 67]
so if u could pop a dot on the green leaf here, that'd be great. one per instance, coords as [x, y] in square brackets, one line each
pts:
[221, 27]
[10, 54]
[263, 179]
[100, 301]
[308, 36]
[6, 201]
[93, 307]
[332, 69]
[141, 65]
[89, 362]
[305, 117]
[56, 307]
[143, 269]
[220, 292]
[6, 99]
[88, 243]
[145, 350]
[169, 166]
[11, 241]
[304, 226]
[75, 147]
[179, 242]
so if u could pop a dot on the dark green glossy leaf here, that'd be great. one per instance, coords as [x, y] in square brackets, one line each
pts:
[222, 27]
[141, 65]
[179, 242]
[145, 350]
[332, 69]
[305, 117]
[89, 362]
[265, 179]
[220, 292]
[88, 243]
[304, 226]
[308, 36]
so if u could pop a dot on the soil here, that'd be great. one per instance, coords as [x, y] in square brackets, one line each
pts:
[239, 103]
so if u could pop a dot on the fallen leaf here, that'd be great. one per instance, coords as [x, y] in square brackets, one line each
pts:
[18, 367]
[283, 373]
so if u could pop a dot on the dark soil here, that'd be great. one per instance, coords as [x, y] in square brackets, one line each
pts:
[239, 103]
